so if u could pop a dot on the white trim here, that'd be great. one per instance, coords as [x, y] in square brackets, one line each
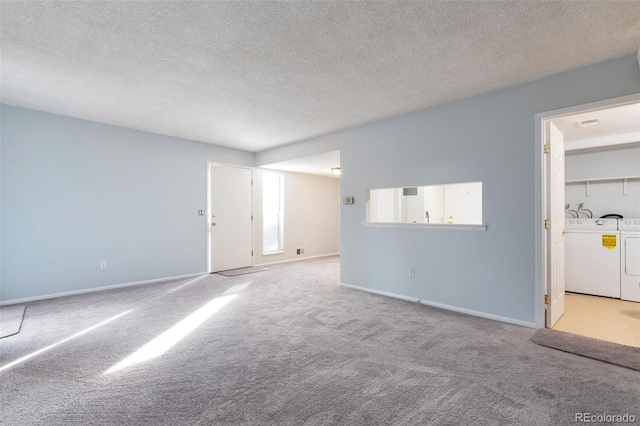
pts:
[271, 253]
[381, 293]
[297, 259]
[93, 290]
[591, 106]
[444, 306]
[438, 226]
[540, 274]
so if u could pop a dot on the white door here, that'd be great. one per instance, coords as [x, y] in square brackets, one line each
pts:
[555, 235]
[229, 218]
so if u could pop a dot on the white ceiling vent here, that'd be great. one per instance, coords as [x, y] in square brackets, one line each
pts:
[587, 123]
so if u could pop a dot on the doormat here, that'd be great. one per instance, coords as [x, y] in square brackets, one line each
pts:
[612, 353]
[242, 271]
[11, 320]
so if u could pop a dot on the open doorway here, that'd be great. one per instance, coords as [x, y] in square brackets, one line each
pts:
[591, 205]
[297, 209]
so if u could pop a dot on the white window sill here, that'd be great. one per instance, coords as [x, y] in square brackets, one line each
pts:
[271, 253]
[438, 226]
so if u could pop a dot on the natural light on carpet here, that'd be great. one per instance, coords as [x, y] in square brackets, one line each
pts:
[188, 283]
[166, 340]
[237, 288]
[39, 351]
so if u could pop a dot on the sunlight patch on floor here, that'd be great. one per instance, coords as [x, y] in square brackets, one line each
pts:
[39, 351]
[166, 340]
[181, 286]
[237, 288]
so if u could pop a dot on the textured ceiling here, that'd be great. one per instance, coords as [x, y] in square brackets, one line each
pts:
[254, 75]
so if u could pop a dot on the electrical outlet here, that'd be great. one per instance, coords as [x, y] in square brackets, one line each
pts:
[300, 251]
[103, 264]
[412, 273]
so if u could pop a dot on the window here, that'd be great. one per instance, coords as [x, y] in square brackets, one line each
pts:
[272, 213]
[457, 203]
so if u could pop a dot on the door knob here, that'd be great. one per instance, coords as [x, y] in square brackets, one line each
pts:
[565, 232]
[213, 224]
[213, 215]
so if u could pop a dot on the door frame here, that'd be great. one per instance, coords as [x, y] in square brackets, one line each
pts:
[542, 191]
[208, 217]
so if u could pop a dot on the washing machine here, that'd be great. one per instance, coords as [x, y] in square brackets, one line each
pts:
[629, 259]
[592, 257]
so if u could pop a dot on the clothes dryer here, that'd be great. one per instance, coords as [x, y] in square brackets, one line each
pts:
[629, 259]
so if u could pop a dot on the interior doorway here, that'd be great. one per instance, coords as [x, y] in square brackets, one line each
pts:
[230, 235]
[590, 180]
[297, 208]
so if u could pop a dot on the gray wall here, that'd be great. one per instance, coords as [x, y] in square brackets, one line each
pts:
[1, 205]
[488, 138]
[76, 192]
[607, 163]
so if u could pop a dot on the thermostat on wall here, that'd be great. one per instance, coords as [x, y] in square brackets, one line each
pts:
[349, 200]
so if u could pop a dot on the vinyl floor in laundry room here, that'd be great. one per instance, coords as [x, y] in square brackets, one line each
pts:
[603, 318]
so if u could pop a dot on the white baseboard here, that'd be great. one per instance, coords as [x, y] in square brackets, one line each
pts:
[93, 290]
[297, 259]
[443, 306]
[382, 293]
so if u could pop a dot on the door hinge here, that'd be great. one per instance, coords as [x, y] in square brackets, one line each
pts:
[251, 181]
[547, 224]
[547, 299]
[251, 252]
[547, 148]
[251, 217]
